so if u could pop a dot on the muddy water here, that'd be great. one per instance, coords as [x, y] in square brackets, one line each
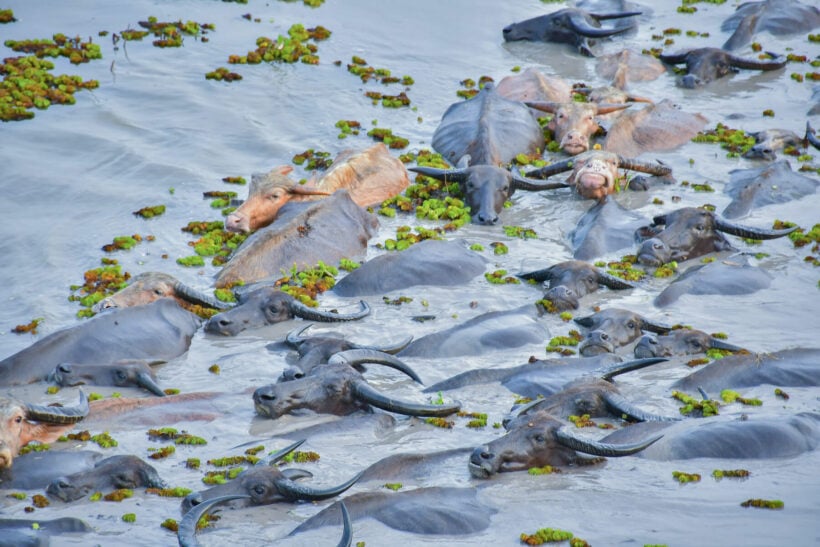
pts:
[157, 132]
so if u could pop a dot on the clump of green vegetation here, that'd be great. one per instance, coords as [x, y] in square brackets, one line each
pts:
[286, 49]
[7, 16]
[129, 517]
[221, 477]
[160, 453]
[301, 456]
[666, 270]
[235, 180]
[499, 248]
[60, 45]
[151, 211]
[683, 478]
[29, 327]
[582, 421]
[17, 495]
[34, 447]
[546, 470]
[175, 492]
[477, 419]
[229, 461]
[440, 422]
[170, 524]
[119, 495]
[470, 89]
[730, 473]
[348, 127]
[546, 535]
[736, 141]
[388, 138]
[348, 265]
[122, 243]
[315, 159]
[705, 187]
[405, 237]
[500, 277]
[518, 231]
[389, 101]
[179, 437]
[214, 241]
[625, 268]
[781, 394]
[39, 501]
[730, 396]
[104, 440]
[192, 463]
[193, 261]
[397, 301]
[394, 486]
[763, 504]
[171, 33]
[694, 407]
[306, 285]
[223, 74]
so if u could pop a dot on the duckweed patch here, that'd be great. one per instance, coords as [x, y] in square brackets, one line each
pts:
[286, 49]
[684, 478]
[735, 141]
[500, 277]
[151, 211]
[171, 33]
[781, 394]
[440, 422]
[625, 268]
[306, 285]
[161, 453]
[546, 535]
[394, 486]
[175, 492]
[388, 138]
[694, 407]
[763, 504]
[122, 243]
[34, 447]
[729, 396]
[28, 327]
[519, 232]
[171, 434]
[477, 419]
[666, 270]
[546, 470]
[313, 160]
[104, 440]
[223, 74]
[39, 501]
[405, 237]
[214, 241]
[348, 127]
[192, 463]
[348, 265]
[470, 88]
[119, 495]
[74, 49]
[719, 474]
[129, 517]
[7, 16]
[301, 456]
[235, 180]
[229, 461]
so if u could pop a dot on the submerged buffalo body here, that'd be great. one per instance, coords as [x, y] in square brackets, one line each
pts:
[777, 17]
[111, 473]
[660, 126]
[762, 186]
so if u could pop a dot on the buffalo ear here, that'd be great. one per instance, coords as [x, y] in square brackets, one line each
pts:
[647, 232]
[43, 432]
[584, 321]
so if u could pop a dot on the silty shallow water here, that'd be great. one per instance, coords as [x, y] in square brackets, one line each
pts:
[73, 176]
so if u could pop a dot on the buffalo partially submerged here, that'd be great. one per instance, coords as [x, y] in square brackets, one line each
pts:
[124, 373]
[778, 17]
[571, 26]
[150, 286]
[595, 173]
[535, 86]
[770, 141]
[302, 235]
[680, 342]
[371, 176]
[267, 305]
[655, 127]
[111, 473]
[605, 228]
[613, 328]
[574, 123]
[22, 423]
[567, 282]
[626, 66]
[538, 439]
[692, 232]
[23, 533]
[707, 64]
[774, 183]
[159, 331]
[429, 262]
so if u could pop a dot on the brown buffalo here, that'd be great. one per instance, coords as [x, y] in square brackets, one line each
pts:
[574, 123]
[660, 126]
[533, 85]
[150, 286]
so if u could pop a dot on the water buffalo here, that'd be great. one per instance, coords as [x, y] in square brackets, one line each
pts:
[265, 483]
[605, 228]
[538, 439]
[595, 173]
[628, 65]
[123, 373]
[706, 64]
[150, 286]
[613, 328]
[371, 176]
[571, 26]
[266, 305]
[36, 533]
[317, 350]
[680, 342]
[36, 469]
[491, 331]
[747, 437]
[692, 232]
[788, 368]
[778, 17]
[774, 183]
[111, 473]
[660, 126]
[428, 262]
[811, 138]
[159, 331]
[733, 275]
[302, 235]
[574, 123]
[337, 388]
[21, 423]
[769, 141]
[568, 281]
[485, 187]
[534, 85]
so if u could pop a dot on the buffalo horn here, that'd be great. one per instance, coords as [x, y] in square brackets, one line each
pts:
[552, 169]
[455, 175]
[673, 58]
[609, 372]
[59, 414]
[606, 108]
[549, 106]
[295, 474]
[657, 169]
[198, 297]
[613, 282]
[717, 343]
[144, 380]
[295, 338]
[580, 25]
[354, 357]
[619, 405]
[752, 64]
[273, 458]
[186, 533]
[520, 182]
[540, 276]
[306, 312]
[614, 15]
[703, 393]
[810, 138]
[570, 439]
[363, 391]
[392, 350]
[724, 225]
[295, 491]
[657, 328]
[347, 528]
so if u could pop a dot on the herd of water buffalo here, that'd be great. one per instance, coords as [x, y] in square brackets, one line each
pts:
[147, 323]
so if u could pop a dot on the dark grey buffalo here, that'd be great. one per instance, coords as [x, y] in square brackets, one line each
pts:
[571, 26]
[707, 64]
[747, 437]
[692, 232]
[36, 533]
[337, 388]
[762, 186]
[123, 373]
[574, 123]
[605, 228]
[267, 305]
[680, 342]
[22, 423]
[150, 286]
[429, 262]
[302, 235]
[613, 328]
[159, 331]
[538, 439]
[567, 282]
[769, 141]
[787, 368]
[111, 473]
[777, 17]
[728, 276]
[491, 331]
[655, 127]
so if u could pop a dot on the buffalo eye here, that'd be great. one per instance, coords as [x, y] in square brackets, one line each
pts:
[539, 438]
[274, 309]
[259, 490]
[158, 292]
[699, 227]
[696, 344]
[631, 325]
[120, 375]
[18, 419]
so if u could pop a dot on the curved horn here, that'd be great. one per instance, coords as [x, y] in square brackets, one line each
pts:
[362, 390]
[614, 15]
[703, 393]
[810, 138]
[540, 276]
[186, 533]
[580, 25]
[347, 528]
[273, 458]
[392, 350]
[619, 405]
[552, 169]
[520, 182]
[59, 414]
[365, 356]
[145, 381]
[717, 343]
[657, 169]
[613, 282]
[198, 297]
[674, 58]
[606, 108]
[306, 312]
[611, 371]
[724, 225]
[295, 474]
[295, 338]
[779, 61]
[651, 326]
[455, 175]
[543, 106]
[572, 440]
[303, 190]
[295, 491]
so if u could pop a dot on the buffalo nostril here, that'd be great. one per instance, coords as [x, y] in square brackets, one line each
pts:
[486, 455]
[657, 246]
[224, 322]
[64, 367]
[653, 342]
[299, 375]
[604, 336]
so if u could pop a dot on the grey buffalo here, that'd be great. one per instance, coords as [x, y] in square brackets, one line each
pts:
[778, 17]
[707, 64]
[111, 473]
[22, 532]
[680, 342]
[613, 328]
[762, 186]
[692, 232]
[567, 282]
[605, 228]
[123, 373]
[769, 141]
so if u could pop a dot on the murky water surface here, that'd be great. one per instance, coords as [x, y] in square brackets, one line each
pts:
[157, 132]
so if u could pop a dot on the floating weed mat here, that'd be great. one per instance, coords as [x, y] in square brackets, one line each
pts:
[305, 285]
[98, 283]
[359, 67]
[285, 49]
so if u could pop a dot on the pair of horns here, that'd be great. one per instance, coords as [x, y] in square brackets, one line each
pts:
[646, 324]
[608, 280]
[657, 169]
[298, 309]
[723, 225]
[578, 23]
[295, 339]
[460, 174]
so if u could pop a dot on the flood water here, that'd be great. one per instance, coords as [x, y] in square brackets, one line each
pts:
[157, 132]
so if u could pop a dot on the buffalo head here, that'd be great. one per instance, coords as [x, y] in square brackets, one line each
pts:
[574, 123]
[111, 473]
[123, 373]
[568, 281]
[706, 64]
[150, 286]
[613, 328]
[680, 342]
